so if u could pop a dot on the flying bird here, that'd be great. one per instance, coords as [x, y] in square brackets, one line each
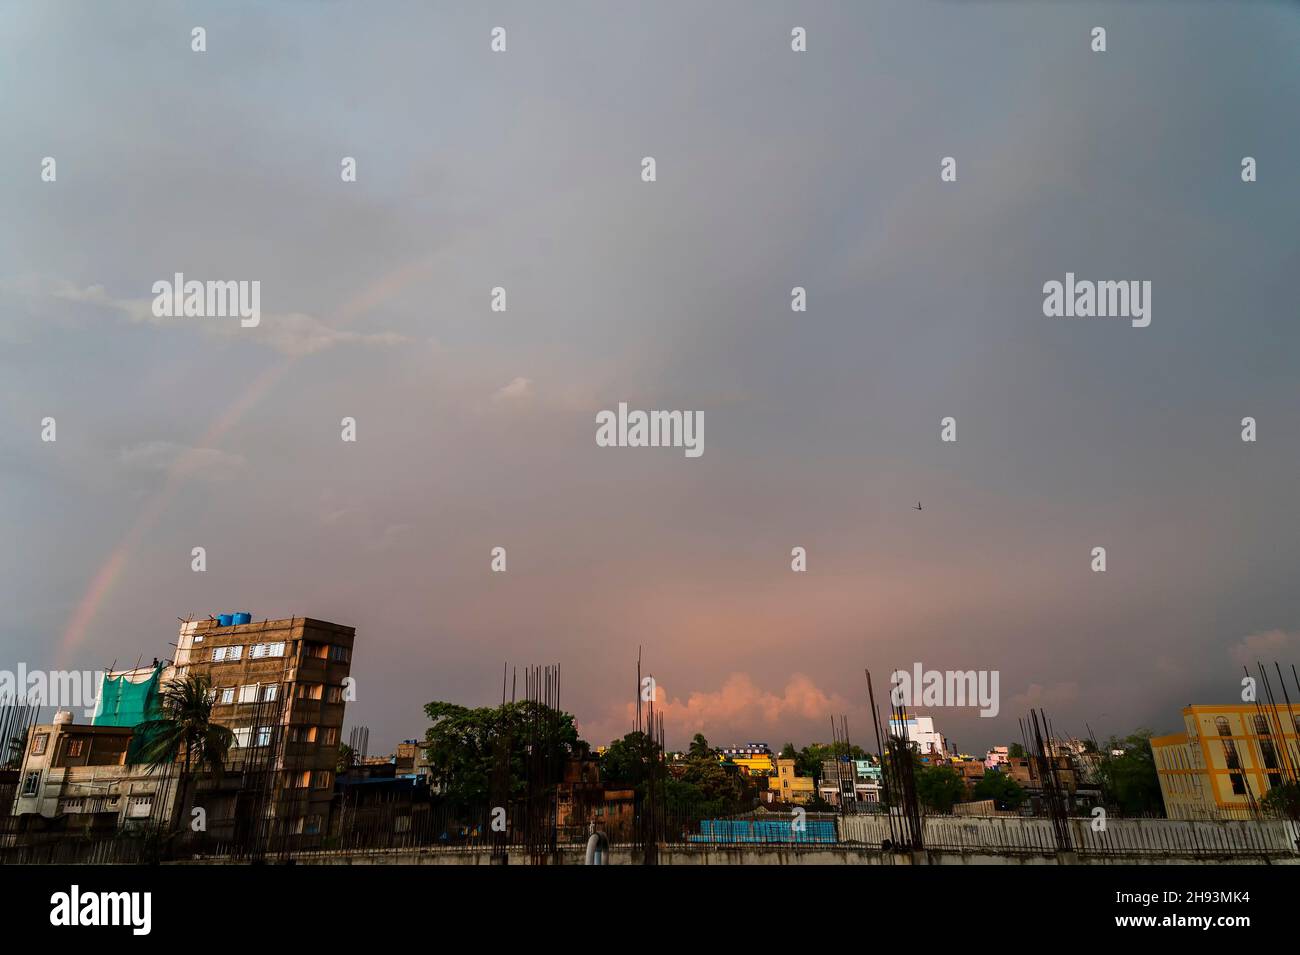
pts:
[918, 506]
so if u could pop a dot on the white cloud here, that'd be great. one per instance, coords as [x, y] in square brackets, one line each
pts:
[208, 464]
[517, 389]
[291, 333]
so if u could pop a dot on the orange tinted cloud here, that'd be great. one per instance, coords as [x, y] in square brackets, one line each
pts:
[738, 708]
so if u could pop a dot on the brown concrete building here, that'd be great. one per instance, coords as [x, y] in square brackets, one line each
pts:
[80, 771]
[281, 686]
[411, 759]
[971, 771]
[583, 800]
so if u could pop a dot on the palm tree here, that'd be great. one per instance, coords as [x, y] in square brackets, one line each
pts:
[186, 733]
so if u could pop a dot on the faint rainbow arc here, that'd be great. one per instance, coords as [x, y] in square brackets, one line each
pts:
[101, 583]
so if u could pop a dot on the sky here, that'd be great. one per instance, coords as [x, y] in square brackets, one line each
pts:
[475, 428]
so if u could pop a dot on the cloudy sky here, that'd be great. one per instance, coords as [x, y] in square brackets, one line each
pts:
[476, 428]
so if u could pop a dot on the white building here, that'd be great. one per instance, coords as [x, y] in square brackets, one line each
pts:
[920, 730]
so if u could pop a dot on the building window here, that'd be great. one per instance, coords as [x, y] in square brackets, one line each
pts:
[264, 736]
[335, 695]
[259, 650]
[321, 779]
[302, 734]
[76, 746]
[331, 735]
[248, 693]
[31, 782]
[270, 691]
[139, 807]
[1238, 784]
[1221, 724]
[40, 742]
[1261, 726]
[241, 736]
[227, 654]
[1230, 753]
[340, 654]
[228, 694]
[1270, 754]
[310, 691]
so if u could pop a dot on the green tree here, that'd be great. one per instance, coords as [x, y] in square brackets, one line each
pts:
[717, 786]
[809, 760]
[347, 758]
[1129, 779]
[939, 787]
[700, 747]
[1016, 751]
[185, 732]
[632, 760]
[1283, 800]
[1005, 792]
[464, 742]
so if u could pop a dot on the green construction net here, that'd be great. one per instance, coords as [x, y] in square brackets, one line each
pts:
[126, 703]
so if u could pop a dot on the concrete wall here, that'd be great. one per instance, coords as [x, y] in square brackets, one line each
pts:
[766, 855]
[1123, 836]
[950, 840]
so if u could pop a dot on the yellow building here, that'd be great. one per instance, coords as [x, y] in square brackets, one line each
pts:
[1226, 759]
[755, 759]
[785, 786]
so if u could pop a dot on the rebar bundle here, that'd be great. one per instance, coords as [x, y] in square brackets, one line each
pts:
[898, 778]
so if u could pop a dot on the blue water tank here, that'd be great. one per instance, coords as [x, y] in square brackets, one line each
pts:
[224, 619]
[243, 617]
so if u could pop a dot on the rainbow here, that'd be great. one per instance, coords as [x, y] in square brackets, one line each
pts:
[110, 571]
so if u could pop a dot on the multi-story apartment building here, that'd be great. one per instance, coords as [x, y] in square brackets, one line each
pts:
[788, 786]
[997, 757]
[80, 770]
[846, 782]
[281, 686]
[584, 800]
[411, 759]
[1226, 759]
[930, 743]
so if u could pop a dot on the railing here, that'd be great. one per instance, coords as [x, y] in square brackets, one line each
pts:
[1113, 837]
[389, 829]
